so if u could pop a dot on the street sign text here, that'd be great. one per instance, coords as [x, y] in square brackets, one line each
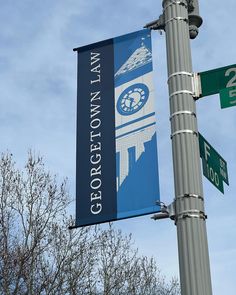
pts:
[214, 166]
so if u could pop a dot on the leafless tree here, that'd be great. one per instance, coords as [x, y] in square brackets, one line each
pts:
[122, 270]
[39, 255]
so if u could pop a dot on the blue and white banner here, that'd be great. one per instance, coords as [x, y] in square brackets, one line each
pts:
[117, 169]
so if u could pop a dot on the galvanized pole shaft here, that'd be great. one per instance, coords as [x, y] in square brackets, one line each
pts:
[190, 217]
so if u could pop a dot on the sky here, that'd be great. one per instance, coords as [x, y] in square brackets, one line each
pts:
[38, 106]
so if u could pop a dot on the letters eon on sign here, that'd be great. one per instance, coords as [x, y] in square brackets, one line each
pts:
[116, 170]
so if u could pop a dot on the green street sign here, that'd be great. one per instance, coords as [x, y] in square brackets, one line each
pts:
[228, 97]
[214, 80]
[214, 166]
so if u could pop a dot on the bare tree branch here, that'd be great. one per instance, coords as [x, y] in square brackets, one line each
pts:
[39, 255]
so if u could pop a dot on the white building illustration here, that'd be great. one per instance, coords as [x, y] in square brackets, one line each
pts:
[139, 58]
[136, 125]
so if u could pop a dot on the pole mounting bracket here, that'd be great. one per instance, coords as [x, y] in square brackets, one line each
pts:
[196, 86]
[166, 211]
[158, 24]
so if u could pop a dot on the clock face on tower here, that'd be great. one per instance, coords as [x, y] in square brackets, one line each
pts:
[132, 99]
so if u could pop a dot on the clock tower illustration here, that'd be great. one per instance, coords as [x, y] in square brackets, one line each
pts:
[135, 121]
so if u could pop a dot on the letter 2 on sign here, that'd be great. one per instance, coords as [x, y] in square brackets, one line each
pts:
[232, 81]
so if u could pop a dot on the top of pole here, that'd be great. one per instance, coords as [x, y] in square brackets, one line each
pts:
[195, 20]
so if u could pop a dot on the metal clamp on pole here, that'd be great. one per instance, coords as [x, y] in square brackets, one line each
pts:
[196, 83]
[181, 92]
[182, 113]
[182, 197]
[179, 73]
[175, 3]
[191, 214]
[177, 18]
[183, 131]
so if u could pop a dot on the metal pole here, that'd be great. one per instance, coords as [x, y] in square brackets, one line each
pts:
[190, 217]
